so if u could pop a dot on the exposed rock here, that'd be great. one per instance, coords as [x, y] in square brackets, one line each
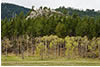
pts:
[42, 12]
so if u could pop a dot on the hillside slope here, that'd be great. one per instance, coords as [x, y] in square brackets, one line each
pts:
[71, 11]
[11, 10]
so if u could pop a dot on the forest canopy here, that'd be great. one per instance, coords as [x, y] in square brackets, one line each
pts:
[56, 24]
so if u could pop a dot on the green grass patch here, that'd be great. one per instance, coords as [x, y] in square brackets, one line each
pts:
[36, 61]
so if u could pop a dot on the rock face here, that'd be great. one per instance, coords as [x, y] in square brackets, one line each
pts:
[42, 12]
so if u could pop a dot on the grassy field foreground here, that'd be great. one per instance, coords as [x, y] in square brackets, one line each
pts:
[36, 61]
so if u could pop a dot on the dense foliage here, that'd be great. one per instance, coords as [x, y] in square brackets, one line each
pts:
[60, 25]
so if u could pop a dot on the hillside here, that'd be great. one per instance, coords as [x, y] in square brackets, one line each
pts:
[11, 10]
[71, 11]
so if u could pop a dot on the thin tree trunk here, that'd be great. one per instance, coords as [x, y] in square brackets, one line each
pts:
[18, 50]
[22, 49]
[86, 50]
[22, 52]
[48, 49]
[31, 49]
[6, 53]
[59, 50]
[79, 49]
[41, 54]
[27, 47]
[99, 50]
[56, 52]
[33, 46]
[64, 49]
[6, 50]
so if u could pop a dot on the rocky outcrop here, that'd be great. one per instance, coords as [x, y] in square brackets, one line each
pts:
[42, 12]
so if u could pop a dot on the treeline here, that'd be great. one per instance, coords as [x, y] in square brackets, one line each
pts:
[56, 24]
[81, 13]
[52, 47]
